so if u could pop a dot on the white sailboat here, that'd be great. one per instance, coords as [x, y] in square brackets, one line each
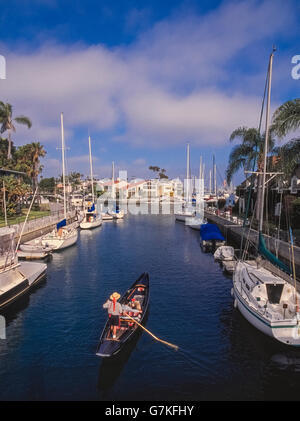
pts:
[64, 235]
[267, 301]
[187, 211]
[115, 214]
[34, 249]
[196, 221]
[92, 218]
[16, 278]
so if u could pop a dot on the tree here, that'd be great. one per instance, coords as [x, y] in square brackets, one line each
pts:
[154, 168]
[162, 174]
[249, 151]
[248, 155]
[160, 171]
[6, 121]
[15, 191]
[288, 158]
[74, 179]
[4, 162]
[286, 118]
[47, 185]
[28, 160]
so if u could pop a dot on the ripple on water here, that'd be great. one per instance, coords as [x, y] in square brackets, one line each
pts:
[52, 334]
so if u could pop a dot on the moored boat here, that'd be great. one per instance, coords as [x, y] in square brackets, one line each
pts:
[106, 216]
[15, 278]
[266, 297]
[211, 237]
[139, 290]
[224, 253]
[92, 218]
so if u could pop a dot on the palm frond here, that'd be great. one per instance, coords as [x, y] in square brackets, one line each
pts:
[23, 120]
[286, 118]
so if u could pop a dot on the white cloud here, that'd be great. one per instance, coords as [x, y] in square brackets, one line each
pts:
[175, 82]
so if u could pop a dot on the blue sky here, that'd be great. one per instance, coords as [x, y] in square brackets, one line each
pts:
[144, 77]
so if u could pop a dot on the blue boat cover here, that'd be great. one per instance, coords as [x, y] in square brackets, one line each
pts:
[61, 224]
[210, 232]
[92, 208]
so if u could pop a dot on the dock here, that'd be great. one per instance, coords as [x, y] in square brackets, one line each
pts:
[233, 232]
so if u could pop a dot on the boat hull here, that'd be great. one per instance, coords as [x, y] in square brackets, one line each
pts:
[18, 281]
[90, 225]
[108, 347]
[29, 255]
[183, 217]
[58, 243]
[106, 217]
[285, 331]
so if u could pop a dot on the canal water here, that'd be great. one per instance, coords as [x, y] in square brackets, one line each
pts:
[52, 333]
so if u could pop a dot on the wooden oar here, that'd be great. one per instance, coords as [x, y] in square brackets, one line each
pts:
[155, 337]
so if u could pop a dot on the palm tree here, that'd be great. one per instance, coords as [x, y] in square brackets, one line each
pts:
[248, 152]
[29, 160]
[286, 118]
[248, 155]
[289, 158]
[6, 121]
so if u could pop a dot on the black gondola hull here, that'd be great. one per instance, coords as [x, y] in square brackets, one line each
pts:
[107, 347]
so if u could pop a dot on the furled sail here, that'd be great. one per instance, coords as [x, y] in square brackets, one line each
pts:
[61, 224]
[262, 248]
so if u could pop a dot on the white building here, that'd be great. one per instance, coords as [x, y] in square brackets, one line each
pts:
[177, 187]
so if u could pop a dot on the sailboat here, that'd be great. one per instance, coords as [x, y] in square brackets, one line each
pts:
[187, 211]
[265, 299]
[115, 214]
[196, 221]
[92, 218]
[16, 278]
[63, 235]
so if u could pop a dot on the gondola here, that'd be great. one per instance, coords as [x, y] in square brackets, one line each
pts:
[139, 290]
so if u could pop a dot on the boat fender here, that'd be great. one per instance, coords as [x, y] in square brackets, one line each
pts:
[231, 292]
[235, 303]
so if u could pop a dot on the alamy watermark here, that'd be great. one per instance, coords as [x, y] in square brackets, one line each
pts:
[296, 69]
[147, 200]
[2, 67]
[2, 328]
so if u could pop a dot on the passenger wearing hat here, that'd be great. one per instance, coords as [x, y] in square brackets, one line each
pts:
[114, 311]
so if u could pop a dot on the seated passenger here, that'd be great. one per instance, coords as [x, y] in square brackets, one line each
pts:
[135, 304]
[130, 309]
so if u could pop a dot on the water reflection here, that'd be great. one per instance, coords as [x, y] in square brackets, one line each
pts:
[111, 368]
[12, 311]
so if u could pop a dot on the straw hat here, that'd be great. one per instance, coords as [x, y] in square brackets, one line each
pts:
[115, 296]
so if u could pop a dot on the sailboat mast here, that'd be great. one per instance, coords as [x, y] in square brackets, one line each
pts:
[4, 204]
[261, 216]
[200, 168]
[215, 178]
[91, 168]
[188, 173]
[63, 162]
[113, 180]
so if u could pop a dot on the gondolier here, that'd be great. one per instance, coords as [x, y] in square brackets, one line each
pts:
[130, 320]
[114, 311]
